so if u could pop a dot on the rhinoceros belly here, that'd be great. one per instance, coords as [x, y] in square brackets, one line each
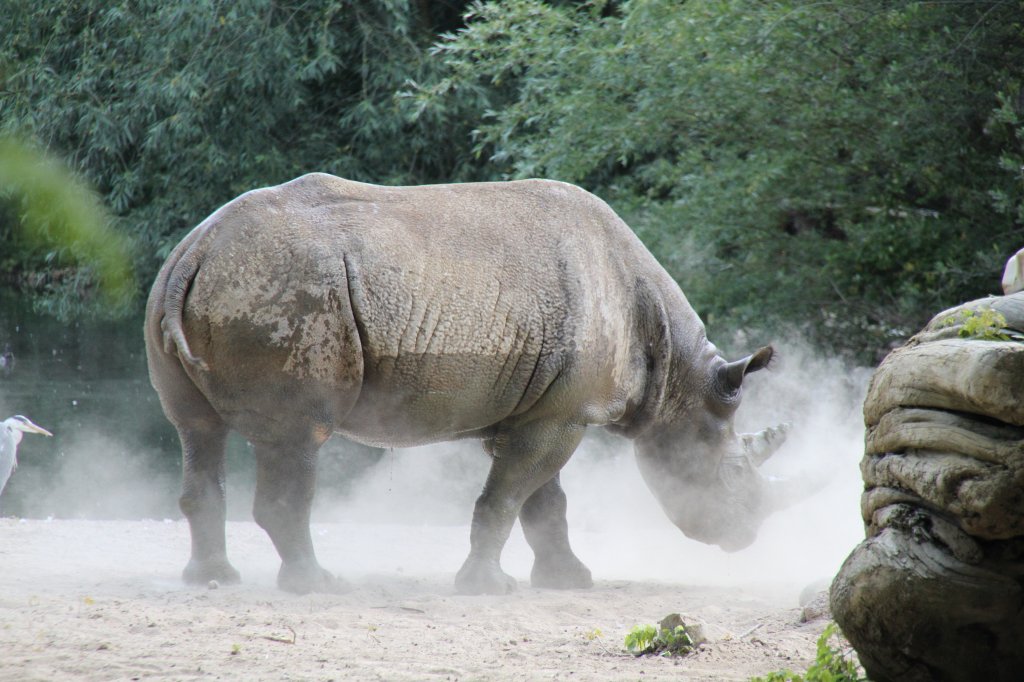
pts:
[450, 346]
[415, 398]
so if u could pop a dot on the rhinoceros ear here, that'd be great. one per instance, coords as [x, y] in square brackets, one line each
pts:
[730, 375]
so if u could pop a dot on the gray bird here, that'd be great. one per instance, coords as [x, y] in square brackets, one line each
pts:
[10, 435]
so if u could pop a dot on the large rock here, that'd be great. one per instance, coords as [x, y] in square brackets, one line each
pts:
[935, 590]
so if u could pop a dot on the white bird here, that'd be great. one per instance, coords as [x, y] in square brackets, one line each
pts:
[1013, 275]
[10, 435]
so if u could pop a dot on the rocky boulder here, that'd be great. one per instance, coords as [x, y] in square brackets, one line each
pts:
[935, 592]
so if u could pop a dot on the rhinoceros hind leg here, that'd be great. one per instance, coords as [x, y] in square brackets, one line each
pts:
[524, 459]
[555, 566]
[285, 484]
[202, 501]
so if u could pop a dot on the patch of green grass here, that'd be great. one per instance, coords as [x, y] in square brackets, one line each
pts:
[984, 324]
[830, 665]
[671, 638]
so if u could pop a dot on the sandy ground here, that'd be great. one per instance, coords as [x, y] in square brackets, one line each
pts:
[101, 600]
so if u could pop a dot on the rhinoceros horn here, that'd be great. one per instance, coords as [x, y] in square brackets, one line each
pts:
[780, 492]
[763, 444]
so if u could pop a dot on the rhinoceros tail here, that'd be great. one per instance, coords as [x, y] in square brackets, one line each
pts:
[176, 288]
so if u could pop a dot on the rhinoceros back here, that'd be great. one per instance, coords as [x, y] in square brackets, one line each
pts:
[406, 315]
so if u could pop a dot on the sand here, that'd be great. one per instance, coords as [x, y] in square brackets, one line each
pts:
[92, 599]
[102, 600]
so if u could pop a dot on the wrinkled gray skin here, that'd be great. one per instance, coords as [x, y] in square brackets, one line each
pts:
[516, 313]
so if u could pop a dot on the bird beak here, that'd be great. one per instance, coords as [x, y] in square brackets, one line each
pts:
[29, 427]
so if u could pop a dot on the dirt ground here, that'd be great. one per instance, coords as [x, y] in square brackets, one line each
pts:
[102, 600]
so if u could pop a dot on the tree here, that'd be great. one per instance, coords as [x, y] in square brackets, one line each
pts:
[845, 169]
[170, 109]
[839, 169]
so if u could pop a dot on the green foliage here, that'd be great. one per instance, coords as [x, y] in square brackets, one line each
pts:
[640, 639]
[665, 640]
[171, 109]
[58, 218]
[841, 168]
[984, 324]
[830, 665]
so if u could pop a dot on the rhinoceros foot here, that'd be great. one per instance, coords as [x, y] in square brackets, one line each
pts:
[201, 572]
[560, 573]
[305, 577]
[479, 576]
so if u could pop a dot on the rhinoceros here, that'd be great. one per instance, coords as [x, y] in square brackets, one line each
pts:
[515, 313]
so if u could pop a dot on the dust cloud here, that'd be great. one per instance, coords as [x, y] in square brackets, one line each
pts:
[616, 525]
[89, 475]
[422, 498]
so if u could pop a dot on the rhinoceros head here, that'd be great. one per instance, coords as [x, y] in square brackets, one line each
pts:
[704, 474]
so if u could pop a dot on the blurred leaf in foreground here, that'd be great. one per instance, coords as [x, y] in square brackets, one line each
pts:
[90, 262]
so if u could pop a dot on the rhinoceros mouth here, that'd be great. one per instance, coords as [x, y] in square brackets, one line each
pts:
[727, 509]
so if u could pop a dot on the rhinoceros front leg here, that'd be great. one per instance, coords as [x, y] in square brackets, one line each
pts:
[523, 460]
[285, 485]
[202, 501]
[547, 531]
